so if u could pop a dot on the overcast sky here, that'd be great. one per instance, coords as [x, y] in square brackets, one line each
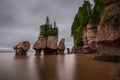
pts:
[20, 19]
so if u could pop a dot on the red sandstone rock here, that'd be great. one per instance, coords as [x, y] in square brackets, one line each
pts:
[22, 47]
[61, 46]
[108, 33]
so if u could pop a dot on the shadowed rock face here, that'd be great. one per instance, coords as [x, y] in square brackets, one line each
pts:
[108, 34]
[22, 48]
[77, 49]
[61, 46]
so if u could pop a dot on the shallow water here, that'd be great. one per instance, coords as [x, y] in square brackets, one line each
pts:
[54, 67]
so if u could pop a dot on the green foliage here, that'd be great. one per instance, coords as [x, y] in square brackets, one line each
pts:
[85, 15]
[43, 30]
[97, 10]
[75, 25]
[113, 19]
[106, 17]
[107, 58]
[55, 31]
[47, 29]
[82, 18]
[78, 41]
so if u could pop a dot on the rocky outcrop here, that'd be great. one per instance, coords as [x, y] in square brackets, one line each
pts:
[68, 51]
[22, 48]
[61, 46]
[40, 44]
[52, 42]
[51, 46]
[46, 43]
[108, 34]
[76, 49]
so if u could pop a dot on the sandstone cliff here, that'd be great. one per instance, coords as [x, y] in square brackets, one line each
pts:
[88, 38]
[101, 30]
[108, 33]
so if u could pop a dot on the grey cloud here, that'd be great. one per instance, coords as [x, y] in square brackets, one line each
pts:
[20, 19]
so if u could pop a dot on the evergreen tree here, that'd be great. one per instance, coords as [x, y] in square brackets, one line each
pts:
[80, 21]
[47, 29]
[82, 18]
[98, 6]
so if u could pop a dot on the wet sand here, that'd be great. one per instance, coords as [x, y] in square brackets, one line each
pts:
[56, 67]
[117, 72]
[96, 70]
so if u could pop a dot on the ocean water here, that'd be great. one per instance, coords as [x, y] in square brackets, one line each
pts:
[54, 67]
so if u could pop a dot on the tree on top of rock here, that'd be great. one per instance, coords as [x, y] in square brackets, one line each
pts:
[47, 29]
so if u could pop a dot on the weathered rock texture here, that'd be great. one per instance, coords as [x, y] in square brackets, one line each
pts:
[51, 46]
[108, 34]
[46, 43]
[61, 46]
[88, 38]
[40, 44]
[91, 35]
[52, 42]
[22, 48]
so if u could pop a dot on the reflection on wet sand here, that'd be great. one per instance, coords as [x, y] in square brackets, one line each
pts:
[87, 69]
[46, 67]
[66, 67]
[73, 67]
[55, 67]
[21, 67]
